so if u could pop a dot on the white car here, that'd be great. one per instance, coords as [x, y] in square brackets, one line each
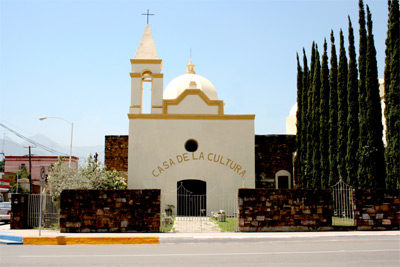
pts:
[5, 211]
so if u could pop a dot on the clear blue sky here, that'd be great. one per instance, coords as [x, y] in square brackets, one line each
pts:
[71, 58]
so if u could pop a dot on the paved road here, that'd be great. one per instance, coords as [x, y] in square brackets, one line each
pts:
[343, 251]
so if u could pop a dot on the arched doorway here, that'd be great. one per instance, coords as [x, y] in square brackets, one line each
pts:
[283, 180]
[191, 198]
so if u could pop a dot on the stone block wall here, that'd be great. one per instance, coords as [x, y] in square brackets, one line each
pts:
[272, 154]
[87, 211]
[116, 153]
[377, 209]
[19, 211]
[265, 210]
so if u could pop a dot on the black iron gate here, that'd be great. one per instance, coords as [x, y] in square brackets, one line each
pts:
[189, 202]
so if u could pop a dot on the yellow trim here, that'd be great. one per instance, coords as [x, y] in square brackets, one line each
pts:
[158, 75]
[208, 101]
[66, 240]
[190, 117]
[140, 75]
[135, 75]
[157, 106]
[148, 72]
[135, 106]
[146, 61]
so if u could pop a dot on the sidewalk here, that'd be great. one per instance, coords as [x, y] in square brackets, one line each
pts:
[53, 237]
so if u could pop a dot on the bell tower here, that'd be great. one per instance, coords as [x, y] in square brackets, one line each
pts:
[146, 67]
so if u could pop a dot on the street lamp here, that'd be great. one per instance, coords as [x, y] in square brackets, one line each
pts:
[72, 133]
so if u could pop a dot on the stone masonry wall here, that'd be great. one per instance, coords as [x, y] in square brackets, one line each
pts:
[19, 211]
[116, 152]
[272, 154]
[87, 211]
[265, 210]
[377, 209]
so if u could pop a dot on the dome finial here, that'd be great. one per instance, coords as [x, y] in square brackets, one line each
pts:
[190, 67]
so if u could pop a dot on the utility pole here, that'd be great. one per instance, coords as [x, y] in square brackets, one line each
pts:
[30, 169]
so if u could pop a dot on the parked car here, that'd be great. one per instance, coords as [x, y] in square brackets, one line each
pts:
[5, 211]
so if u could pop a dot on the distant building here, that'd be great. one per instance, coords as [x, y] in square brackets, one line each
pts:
[15, 163]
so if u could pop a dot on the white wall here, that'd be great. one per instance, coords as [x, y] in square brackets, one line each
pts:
[158, 159]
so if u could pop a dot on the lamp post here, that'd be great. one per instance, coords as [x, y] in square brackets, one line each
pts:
[72, 133]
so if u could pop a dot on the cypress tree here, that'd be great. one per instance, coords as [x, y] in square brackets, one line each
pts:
[375, 153]
[304, 118]
[316, 155]
[324, 119]
[392, 97]
[362, 95]
[309, 166]
[299, 122]
[342, 109]
[352, 117]
[333, 115]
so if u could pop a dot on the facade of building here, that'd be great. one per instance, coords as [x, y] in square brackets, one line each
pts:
[187, 141]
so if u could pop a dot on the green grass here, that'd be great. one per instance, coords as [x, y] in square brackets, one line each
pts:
[342, 221]
[228, 226]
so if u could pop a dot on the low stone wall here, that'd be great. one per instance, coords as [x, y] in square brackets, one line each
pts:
[265, 210]
[19, 211]
[377, 209]
[86, 211]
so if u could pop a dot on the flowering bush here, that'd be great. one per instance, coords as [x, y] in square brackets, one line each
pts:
[91, 176]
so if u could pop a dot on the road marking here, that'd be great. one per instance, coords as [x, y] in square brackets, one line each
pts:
[217, 254]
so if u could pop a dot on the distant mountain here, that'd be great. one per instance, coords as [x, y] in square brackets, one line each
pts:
[12, 148]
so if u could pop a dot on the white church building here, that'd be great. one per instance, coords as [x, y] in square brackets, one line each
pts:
[186, 145]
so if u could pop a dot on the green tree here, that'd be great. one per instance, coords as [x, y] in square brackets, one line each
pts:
[2, 163]
[304, 118]
[362, 96]
[324, 119]
[342, 109]
[309, 164]
[352, 117]
[375, 152]
[299, 122]
[333, 115]
[392, 97]
[316, 155]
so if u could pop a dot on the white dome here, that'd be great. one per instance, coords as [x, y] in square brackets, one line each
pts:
[293, 110]
[190, 80]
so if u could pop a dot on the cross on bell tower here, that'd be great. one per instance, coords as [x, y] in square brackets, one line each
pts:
[147, 14]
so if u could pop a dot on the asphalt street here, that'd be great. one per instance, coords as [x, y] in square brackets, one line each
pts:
[378, 250]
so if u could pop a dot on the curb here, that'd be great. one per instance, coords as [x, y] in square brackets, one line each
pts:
[11, 240]
[63, 240]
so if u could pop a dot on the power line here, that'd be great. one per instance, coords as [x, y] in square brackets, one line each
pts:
[33, 142]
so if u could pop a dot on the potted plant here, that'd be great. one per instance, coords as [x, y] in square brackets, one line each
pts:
[168, 210]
